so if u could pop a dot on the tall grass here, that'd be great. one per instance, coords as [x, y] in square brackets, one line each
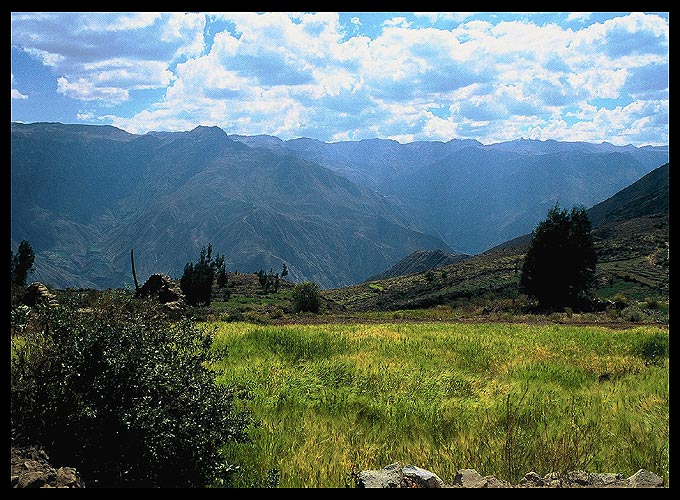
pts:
[499, 398]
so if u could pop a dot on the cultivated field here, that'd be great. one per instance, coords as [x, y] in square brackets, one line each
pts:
[501, 398]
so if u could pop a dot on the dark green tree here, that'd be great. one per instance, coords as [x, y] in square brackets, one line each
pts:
[268, 281]
[22, 263]
[197, 279]
[221, 272]
[559, 267]
[306, 297]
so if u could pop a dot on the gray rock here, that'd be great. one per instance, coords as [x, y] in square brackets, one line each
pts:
[37, 293]
[469, 478]
[579, 478]
[645, 479]
[387, 477]
[492, 482]
[531, 480]
[421, 477]
[607, 479]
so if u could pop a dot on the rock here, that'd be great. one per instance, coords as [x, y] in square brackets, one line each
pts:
[469, 478]
[492, 482]
[579, 478]
[531, 480]
[30, 468]
[605, 479]
[645, 479]
[394, 476]
[422, 478]
[165, 290]
[387, 477]
[37, 293]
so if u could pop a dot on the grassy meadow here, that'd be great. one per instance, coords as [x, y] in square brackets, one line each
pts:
[504, 399]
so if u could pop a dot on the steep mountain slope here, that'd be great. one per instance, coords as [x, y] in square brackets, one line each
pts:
[477, 196]
[648, 196]
[631, 236]
[420, 261]
[83, 199]
[335, 213]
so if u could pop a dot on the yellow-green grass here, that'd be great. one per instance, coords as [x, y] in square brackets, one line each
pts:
[504, 399]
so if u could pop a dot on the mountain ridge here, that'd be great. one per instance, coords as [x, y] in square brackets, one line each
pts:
[632, 248]
[336, 213]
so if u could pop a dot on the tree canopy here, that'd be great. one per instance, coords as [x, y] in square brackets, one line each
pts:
[22, 263]
[559, 267]
[197, 279]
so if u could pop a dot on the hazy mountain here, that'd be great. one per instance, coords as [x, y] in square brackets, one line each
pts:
[476, 196]
[648, 196]
[83, 197]
[335, 213]
[642, 202]
[631, 236]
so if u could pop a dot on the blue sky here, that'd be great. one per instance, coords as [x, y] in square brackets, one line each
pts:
[349, 76]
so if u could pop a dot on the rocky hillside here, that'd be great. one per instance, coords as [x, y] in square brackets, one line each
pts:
[420, 261]
[631, 239]
[83, 196]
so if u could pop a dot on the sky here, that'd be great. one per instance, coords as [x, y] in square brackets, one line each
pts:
[348, 76]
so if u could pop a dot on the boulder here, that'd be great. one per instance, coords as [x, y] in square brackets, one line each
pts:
[30, 468]
[645, 479]
[37, 293]
[387, 477]
[165, 290]
[421, 477]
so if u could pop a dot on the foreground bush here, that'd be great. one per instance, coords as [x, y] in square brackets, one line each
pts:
[122, 395]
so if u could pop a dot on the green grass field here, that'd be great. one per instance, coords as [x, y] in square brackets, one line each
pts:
[504, 399]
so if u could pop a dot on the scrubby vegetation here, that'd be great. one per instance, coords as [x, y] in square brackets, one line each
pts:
[122, 394]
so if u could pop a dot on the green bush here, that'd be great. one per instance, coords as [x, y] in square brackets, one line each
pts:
[653, 349]
[306, 297]
[123, 395]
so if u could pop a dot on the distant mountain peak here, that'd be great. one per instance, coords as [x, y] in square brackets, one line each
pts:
[208, 130]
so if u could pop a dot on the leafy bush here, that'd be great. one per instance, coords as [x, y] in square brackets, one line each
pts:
[653, 349]
[123, 395]
[633, 314]
[306, 297]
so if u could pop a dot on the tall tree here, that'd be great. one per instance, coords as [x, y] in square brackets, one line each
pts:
[559, 267]
[22, 263]
[197, 279]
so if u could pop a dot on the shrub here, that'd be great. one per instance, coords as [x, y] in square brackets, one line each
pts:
[652, 303]
[620, 301]
[633, 314]
[652, 349]
[123, 395]
[306, 297]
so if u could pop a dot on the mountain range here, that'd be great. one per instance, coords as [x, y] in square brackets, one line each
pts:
[631, 237]
[335, 213]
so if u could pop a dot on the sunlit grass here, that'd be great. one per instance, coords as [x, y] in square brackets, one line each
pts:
[500, 398]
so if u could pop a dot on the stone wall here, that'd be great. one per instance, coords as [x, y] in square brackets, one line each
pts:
[399, 476]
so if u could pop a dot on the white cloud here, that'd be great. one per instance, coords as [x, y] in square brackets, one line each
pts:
[292, 73]
[129, 74]
[579, 16]
[15, 93]
[399, 22]
[84, 90]
[446, 16]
